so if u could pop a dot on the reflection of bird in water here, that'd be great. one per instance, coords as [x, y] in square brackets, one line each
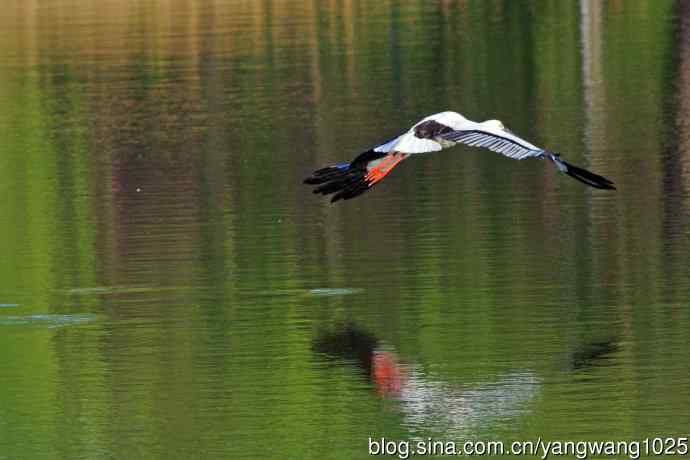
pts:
[426, 402]
[593, 354]
[434, 133]
[350, 342]
[389, 376]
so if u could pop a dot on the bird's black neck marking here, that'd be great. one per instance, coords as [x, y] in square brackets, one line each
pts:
[430, 129]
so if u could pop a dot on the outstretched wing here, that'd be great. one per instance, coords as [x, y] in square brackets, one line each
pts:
[496, 140]
[504, 142]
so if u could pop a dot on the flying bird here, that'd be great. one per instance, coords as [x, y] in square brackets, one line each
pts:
[432, 134]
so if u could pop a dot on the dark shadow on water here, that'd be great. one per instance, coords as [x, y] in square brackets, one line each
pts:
[594, 354]
[348, 341]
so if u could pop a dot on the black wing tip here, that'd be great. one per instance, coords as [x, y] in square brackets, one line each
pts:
[326, 174]
[589, 178]
[346, 180]
[344, 183]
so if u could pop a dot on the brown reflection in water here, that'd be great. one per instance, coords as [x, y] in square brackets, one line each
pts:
[676, 179]
[683, 86]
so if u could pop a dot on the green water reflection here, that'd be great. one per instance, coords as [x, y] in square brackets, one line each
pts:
[170, 289]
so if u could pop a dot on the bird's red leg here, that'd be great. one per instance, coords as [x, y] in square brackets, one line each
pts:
[384, 168]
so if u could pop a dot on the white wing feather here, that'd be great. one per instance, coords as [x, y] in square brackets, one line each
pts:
[494, 139]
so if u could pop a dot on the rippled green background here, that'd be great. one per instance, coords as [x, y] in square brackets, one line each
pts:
[170, 289]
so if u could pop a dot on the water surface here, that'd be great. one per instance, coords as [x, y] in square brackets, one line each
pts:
[170, 289]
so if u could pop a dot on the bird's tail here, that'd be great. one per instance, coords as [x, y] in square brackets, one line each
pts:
[349, 180]
[584, 176]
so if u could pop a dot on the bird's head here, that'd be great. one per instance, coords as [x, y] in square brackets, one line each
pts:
[495, 124]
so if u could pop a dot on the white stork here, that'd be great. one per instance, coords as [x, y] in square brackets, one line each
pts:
[432, 134]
